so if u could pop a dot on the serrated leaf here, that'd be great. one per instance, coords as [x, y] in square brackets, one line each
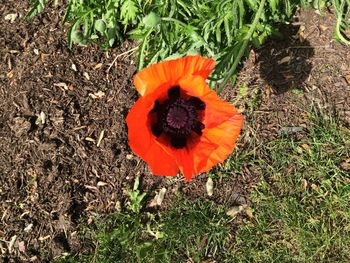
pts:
[128, 11]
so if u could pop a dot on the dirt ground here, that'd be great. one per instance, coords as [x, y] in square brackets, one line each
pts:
[64, 156]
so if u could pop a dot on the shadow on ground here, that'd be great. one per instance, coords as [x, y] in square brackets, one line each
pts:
[285, 61]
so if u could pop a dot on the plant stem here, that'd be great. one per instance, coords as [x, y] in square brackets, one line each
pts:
[142, 50]
[243, 47]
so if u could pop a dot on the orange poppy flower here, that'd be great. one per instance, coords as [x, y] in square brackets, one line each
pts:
[179, 123]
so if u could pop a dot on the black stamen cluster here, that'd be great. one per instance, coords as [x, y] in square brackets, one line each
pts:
[177, 117]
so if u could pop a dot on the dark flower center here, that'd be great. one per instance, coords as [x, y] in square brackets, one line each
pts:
[177, 118]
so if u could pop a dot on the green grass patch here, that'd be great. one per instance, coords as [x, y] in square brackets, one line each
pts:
[300, 211]
[189, 230]
[302, 201]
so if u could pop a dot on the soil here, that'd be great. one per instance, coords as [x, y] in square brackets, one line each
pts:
[64, 155]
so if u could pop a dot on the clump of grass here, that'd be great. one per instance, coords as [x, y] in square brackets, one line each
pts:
[302, 201]
[195, 230]
[187, 231]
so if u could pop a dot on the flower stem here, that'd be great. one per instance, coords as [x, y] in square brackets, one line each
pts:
[243, 47]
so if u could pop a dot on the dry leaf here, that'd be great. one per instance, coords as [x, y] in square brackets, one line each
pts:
[21, 247]
[249, 213]
[97, 95]
[86, 75]
[158, 199]
[323, 28]
[210, 186]
[98, 66]
[61, 85]
[74, 67]
[11, 17]
[234, 211]
[347, 77]
[345, 165]
[11, 243]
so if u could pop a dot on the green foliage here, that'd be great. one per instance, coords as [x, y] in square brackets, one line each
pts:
[188, 230]
[301, 203]
[37, 7]
[173, 28]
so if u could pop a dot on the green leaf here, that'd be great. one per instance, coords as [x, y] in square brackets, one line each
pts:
[37, 7]
[128, 11]
[252, 4]
[100, 26]
[78, 37]
[151, 20]
[273, 5]
[111, 34]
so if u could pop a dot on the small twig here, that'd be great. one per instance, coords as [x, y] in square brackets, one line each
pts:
[120, 55]
[100, 138]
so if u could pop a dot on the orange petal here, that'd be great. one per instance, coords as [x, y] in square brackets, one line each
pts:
[188, 158]
[217, 110]
[143, 142]
[225, 136]
[214, 147]
[151, 78]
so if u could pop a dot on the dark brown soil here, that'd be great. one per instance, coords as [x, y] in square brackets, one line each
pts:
[64, 155]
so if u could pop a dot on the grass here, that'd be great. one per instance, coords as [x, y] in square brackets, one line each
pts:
[193, 230]
[302, 201]
[300, 211]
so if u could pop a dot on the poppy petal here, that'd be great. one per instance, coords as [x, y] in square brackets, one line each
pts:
[189, 158]
[225, 136]
[143, 142]
[151, 78]
[213, 148]
[217, 111]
